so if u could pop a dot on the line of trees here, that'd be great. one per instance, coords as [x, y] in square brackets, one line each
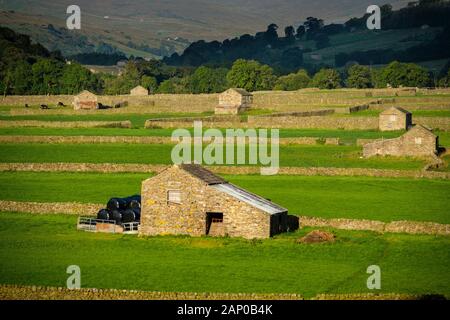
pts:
[27, 68]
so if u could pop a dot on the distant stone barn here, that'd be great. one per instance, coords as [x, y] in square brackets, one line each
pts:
[85, 100]
[395, 119]
[190, 200]
[139, 91]
[234, 101]
[417, 142]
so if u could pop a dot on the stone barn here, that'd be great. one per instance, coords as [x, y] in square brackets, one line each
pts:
[85, 100]
[395, 119]
[139, 91]
[187, 199]
[234, 101]
[417, 142]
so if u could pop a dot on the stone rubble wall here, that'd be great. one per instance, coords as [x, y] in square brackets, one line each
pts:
[65, 124]
[410, 227]
[71, 208]
[235, 170]
[20, 292]
[144, 140]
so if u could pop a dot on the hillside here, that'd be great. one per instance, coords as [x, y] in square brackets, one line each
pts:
[417, 33]
[159, 28]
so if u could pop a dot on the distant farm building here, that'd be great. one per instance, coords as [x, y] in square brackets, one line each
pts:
[418, 141]
[188, 199]
[85, 100]
[395, 119]
[139, 91]
[234, 101]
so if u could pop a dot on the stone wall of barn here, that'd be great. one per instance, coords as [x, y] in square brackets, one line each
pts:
[401, 122]
[160, 217]
[197, 198]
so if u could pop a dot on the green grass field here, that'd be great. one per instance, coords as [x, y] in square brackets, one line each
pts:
[385, 199]
[291, 155]
[36, 250]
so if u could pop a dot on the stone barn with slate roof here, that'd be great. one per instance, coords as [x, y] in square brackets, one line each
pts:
[395, 119]
[417, 142]
[139, 91]
[85, 100]
[188, 199]
[234, 101]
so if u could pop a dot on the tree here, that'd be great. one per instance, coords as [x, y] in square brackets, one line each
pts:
[289, 33]
[76, 78]
[149, 83]
[46, 74]
[359, 77]
[397, 74]
[327, 79]
[208, 80]
[445, 81]
[174, 85]
[293, 81]
[271, 34]
[251, 75]
[300, 32]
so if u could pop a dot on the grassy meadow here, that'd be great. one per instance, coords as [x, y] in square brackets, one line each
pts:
[36, 250]
[290, 155]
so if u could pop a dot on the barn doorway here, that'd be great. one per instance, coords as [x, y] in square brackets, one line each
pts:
[214, 224]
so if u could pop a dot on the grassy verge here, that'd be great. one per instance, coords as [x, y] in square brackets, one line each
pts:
[36, 250]
[328, 197]
[290, 155]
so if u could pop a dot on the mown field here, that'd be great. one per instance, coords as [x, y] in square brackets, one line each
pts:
[385, 199]
[36, 250]
[290, 155]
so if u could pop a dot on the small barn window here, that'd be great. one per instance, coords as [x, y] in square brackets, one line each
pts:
[418, 140]
[393, 117]
[174, 196]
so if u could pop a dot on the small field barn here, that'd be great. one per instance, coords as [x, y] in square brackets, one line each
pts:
[417, 142]
[234, 101]
[188, 199]
[395, 119]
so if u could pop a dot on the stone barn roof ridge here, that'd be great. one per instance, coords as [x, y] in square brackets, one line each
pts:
[396, 109]
[240, 91]
[203, 174]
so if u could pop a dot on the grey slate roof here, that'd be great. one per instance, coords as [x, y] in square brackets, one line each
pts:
[395, 109]
[202, 173]
[249, 198]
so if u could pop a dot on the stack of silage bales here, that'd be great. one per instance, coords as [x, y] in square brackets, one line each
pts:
[122, 210]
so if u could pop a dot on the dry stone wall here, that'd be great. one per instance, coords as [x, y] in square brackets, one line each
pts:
[237, 170]
[50, 207]
[65, 124]
[18, 292]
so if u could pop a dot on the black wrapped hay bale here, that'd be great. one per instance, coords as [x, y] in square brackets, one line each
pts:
[116, 204]
[128, 216]
[134, 204]
[116, 215]
[137, 214]
[103, 214]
